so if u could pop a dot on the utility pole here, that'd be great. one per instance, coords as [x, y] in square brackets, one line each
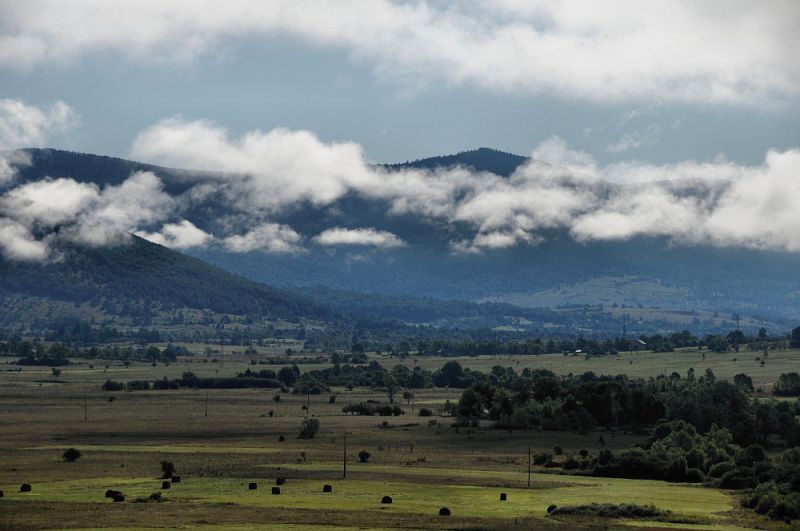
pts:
[85, 405]
[344, 458]
[206, 412]
[529, 467]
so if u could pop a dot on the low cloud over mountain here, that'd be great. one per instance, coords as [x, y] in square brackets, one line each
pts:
[253, 179]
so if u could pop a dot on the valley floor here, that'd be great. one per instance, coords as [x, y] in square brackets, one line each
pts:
[423, 463]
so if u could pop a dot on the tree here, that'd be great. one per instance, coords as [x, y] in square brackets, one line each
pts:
[308, 428]
[743, 381]
[71, 455]
[288, 375]
[794, 338]
[363, 456]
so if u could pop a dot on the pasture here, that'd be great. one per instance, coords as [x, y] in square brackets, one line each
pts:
[423, 463]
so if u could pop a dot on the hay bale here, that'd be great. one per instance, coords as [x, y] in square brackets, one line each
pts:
[176, 479]
[386, 499]
[111, 493]
[1, 493]
[165, 484]
[551, 508]
[503, 496]
[252, 486]
[327, 488]
[444, 511]
[118, 497]
[276, 490]
[280, 481]
[24, 488]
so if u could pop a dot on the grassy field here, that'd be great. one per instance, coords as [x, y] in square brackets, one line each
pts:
[423, 463]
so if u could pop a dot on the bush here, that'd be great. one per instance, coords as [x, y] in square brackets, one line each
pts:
[720, 469]
[111, 385]
[571, 463]
[605, 456]
[138, 385]
[71, 455]
[308, 428]
[363, 456]
[542, 458]
[425, 412]
[558, 450]
[694, 475]
[609, 510]
[167, 469]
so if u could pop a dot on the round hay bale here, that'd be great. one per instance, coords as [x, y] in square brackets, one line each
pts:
[110, 493]
[327, 488]
[503, 496]
[551, 508]
[252, 486]
[176, 479]
[165, 484]
[276, 490]
[1, 493]
[24, 488]
[280, 481]
[118, 497]
[386, 499]
[444, 511]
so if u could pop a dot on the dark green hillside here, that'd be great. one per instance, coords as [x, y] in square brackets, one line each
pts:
[140, 271]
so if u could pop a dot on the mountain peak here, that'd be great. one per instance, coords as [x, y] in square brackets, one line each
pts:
[482, 159]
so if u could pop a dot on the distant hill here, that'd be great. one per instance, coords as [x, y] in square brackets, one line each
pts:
[648, 272]
[139, 277]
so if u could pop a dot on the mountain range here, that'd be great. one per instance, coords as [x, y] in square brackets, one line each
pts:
[711, 284]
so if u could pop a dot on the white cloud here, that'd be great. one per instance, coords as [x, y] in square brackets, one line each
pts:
[23, 125]
[367, 237]
[635, 140]
[560, 188]
[739, 52]
[267, 237]
[182, 235]
[17, 242]
[66, 210]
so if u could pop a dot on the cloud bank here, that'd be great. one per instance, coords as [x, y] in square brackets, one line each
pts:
[23, 125]
[739, 52]
[716, 202]
[35, 216]
[259, 176]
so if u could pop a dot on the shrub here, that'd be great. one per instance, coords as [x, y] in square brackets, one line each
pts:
[605, 456]
[558, 450]
[138, 385]
[542, 458]
[609, 510]
[425, 412]
[308, 428]
[363, 456]
[71, 455]
[111, 385]
[694, 475]
[571, 463]
[720, 469]
[167, 469]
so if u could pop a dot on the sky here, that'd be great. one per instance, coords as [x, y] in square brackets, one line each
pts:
[606, 90]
